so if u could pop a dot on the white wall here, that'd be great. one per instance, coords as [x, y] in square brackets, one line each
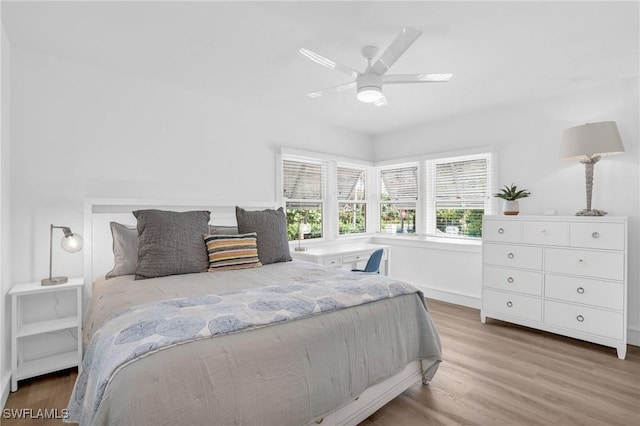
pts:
[526, 139]
[80, 131]
[5, 234]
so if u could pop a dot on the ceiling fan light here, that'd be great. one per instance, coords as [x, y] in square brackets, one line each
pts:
[369, 94]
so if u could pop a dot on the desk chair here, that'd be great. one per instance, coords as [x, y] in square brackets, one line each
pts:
[373, 264]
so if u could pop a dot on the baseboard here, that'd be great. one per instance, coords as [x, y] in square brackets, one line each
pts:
[456, 298]
[633, 336]
[5, 382]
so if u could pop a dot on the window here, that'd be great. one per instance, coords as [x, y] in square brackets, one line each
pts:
[303, 189]
[460, 188]
[352, 204]
[398, 199]
[444, 195]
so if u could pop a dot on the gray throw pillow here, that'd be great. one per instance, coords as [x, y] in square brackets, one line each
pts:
[171, 243]
[223, 230]
[125, 250]
[271, 227]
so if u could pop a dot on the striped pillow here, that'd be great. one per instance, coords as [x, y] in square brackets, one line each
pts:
[232, 251]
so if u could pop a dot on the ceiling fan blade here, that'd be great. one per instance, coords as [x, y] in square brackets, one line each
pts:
[397, 47]
[325, 62]
[338, 88]
[416, 78]
[381, 102]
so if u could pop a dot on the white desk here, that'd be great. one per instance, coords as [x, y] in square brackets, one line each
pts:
[347, 253]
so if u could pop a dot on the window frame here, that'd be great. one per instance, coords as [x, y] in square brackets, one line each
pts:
[379, 181]
[430, 166]
[425, 203]
[330, 204]
[365, 201]
[426, 213]
[324, 172]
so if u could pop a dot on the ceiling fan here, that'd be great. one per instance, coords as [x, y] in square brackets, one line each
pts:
[369, 83]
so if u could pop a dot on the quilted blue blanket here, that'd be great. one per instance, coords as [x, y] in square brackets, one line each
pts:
[144, 329]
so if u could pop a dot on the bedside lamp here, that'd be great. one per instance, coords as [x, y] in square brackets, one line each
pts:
[303, 228]
[70, 243]
[588, 143]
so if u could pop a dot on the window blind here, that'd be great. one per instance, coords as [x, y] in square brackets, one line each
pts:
[399, 185]
[461, 184]
[302, 180]
[351, 184]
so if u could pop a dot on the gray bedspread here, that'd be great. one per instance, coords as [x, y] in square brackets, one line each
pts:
[286, 374]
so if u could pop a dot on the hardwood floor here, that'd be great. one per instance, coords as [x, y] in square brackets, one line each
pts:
[502, 374]
[51, 392]
[492, 374]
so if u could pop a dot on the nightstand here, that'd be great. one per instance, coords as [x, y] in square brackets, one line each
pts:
[22, 368]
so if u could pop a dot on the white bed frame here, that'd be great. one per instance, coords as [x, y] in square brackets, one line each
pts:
[98, 260]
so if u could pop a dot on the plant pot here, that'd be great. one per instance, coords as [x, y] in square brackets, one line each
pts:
[511, 207]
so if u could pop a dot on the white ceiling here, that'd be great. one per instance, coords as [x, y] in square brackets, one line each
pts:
[499, 52]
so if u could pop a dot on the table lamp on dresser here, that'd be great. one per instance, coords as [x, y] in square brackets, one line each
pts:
[588, 143]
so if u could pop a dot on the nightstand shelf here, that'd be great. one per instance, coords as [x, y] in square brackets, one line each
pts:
[21, 366]
[47, 365]
[48, 326]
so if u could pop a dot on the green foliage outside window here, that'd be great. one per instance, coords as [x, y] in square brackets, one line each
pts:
[462, 222]
[397, 219]
[313, 216]
[352, 218]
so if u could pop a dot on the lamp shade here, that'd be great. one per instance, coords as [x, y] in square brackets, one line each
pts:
[305, 228]
[72, 243]
[590, 140]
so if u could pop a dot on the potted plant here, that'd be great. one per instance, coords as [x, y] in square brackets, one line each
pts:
[511, 195]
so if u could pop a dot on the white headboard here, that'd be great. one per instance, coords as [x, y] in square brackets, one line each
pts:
[98, 212]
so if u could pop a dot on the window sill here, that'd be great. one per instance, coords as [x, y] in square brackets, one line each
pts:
[430, 242]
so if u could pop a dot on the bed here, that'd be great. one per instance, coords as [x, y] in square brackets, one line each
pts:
[313, 345]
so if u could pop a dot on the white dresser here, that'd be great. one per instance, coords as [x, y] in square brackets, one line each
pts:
[562, 274]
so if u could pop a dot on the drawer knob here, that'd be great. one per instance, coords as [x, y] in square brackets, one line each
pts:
[510, 280]
[580, 262]
[500, 230]
[543, 232]
[595, 235]
[580, 318]
[580, 290]
[509, 303]
[510, 255]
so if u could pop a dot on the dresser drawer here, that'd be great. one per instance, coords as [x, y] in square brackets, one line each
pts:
[596, 264]
[546, 233]
[604, 294]
[516, 305]
[584, 319]
[610, 236]
[504, 231]
[526, 282]
[333, 261]
[513, 256]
